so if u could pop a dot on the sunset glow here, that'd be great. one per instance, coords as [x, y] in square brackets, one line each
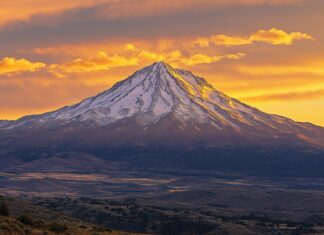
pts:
[268, 54]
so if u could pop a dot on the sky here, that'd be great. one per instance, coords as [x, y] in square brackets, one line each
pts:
[266, 53]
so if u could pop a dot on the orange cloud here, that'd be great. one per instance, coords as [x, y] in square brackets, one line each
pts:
[278, 37]
[202, 59]
[10, 66]
[129, 47]
[129, 55]
[176, 57]
[100, 62]
[29, 8]
[206, 59]
[150, 56]
[113, 9]
[236, 56]
[310, 69]
[272, 36]
[303, 95]
[224, 40]
[202, 42]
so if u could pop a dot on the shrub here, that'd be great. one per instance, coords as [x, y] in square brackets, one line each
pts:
[28, 231]
[25, 219]
[4, 226]
[58, 228]
[39, 223]
[4, 210]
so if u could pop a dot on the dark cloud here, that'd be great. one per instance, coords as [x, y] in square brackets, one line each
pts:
[90, 24]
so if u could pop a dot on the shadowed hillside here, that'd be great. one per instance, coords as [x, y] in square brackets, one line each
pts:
[22, 217]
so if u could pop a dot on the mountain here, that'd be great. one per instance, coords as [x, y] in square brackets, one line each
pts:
[161, 105]
[162, 119]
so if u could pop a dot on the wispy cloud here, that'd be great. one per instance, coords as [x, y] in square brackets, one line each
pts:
[302, 95]
[125, 55]
[206, 59]
[100, 62]
[130, 56]
[30, 8]
[316, 69]
[272, 36]
[140, 8]
[114, 9]
[177, 57]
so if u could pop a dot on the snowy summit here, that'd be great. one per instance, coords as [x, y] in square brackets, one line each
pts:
[160, 92]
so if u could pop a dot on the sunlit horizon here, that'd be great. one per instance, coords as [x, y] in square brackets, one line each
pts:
[264, 53]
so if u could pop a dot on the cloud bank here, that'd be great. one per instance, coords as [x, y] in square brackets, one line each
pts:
[272, 36]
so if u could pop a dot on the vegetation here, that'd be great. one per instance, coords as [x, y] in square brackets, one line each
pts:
[198, 213]
[25, 219]
[42, 221]
[4, 210]
[58, 228]
[142, 217]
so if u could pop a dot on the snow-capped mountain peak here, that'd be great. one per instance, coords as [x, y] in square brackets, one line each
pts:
[150, 94]
[160, 92]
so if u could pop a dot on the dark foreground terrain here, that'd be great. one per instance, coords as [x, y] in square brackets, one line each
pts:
[209, 212]
[197, 212]
[163, 203]
[150, 191]
[23, 217]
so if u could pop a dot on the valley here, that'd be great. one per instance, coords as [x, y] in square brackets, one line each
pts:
[163, 152]
[164, 203]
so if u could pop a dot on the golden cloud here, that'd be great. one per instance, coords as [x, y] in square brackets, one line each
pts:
[202, 59]
[278, 37]
[302, 95]
[10, 66]
[206, 59]
[133, 55]
[130, 47]
[236, 56]
[130, 55]
[100, 62]
[175, 57]
[150, 56]
[317, 70]
[202, 42]
[195, 59]
[272, 36]
[229, 41]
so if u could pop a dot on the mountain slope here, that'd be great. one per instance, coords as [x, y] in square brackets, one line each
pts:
[161, 104]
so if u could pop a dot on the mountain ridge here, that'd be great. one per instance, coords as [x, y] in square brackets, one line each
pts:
[160, 96]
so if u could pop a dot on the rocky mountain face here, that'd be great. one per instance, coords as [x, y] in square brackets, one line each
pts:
[162, 119]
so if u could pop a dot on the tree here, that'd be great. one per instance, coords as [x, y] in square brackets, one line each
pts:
[4, 210]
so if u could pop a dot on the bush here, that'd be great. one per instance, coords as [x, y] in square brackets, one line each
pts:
[39, 223]
[58, 228]
[4, 210]
[4, 226]
[25, 219]
[11, 226]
